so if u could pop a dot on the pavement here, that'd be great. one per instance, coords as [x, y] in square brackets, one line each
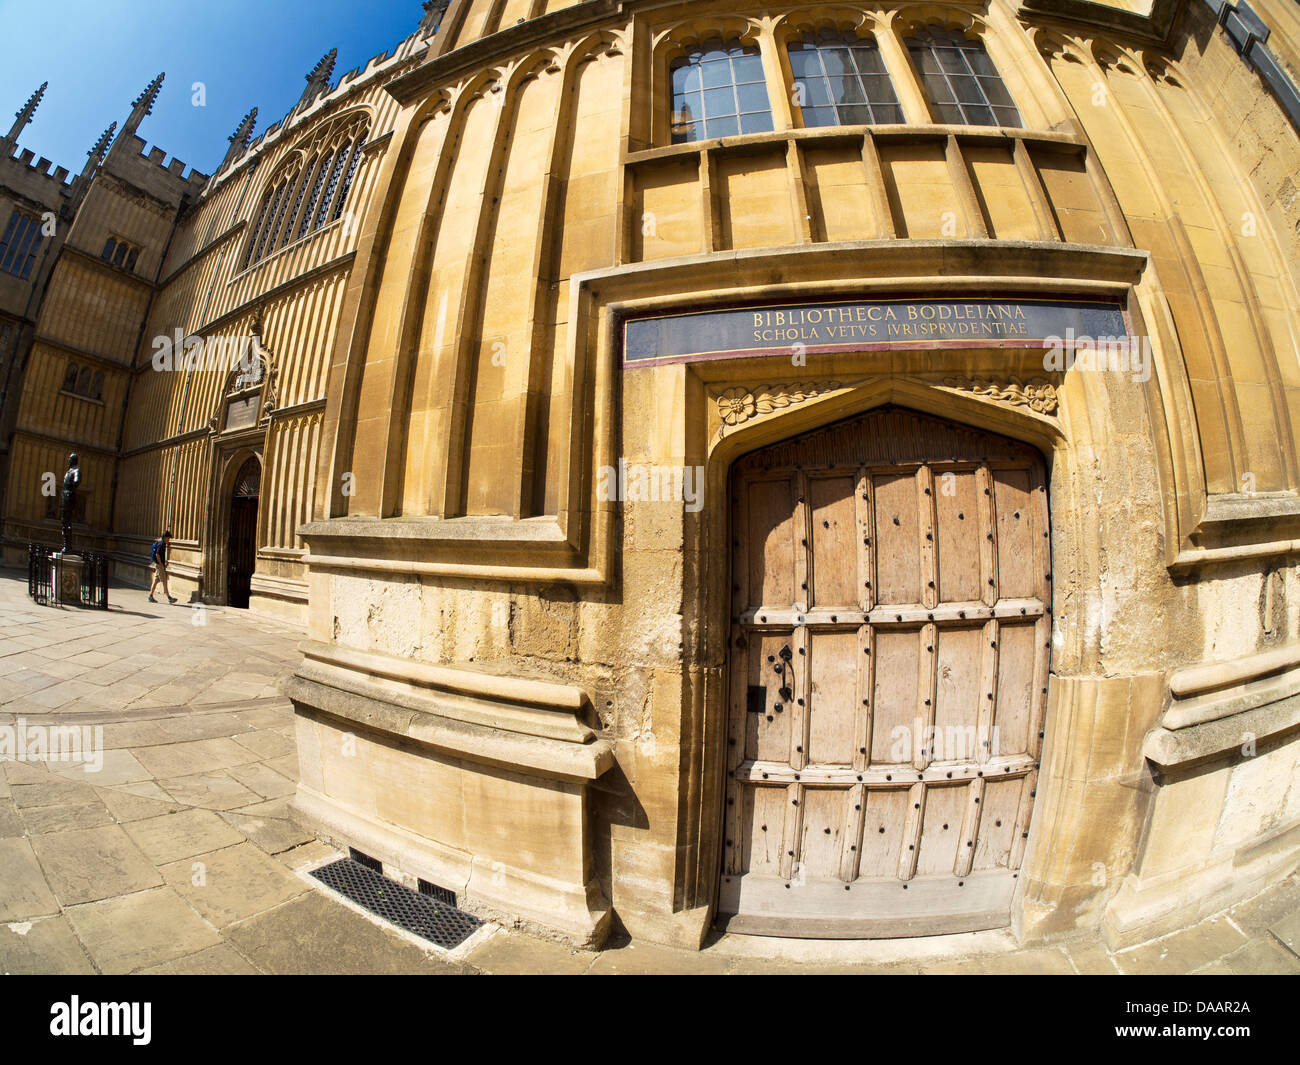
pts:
[177, 852]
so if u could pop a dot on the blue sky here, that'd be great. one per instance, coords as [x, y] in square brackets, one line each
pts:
[247, 53]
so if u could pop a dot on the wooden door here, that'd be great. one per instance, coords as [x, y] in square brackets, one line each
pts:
[889, 660]
[242, 547]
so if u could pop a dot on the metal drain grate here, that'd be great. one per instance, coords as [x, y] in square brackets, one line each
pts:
[438, 892]
[366, 860]
[437, 922]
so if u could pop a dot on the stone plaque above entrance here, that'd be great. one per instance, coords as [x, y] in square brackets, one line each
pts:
[242, 412]
[814, 328]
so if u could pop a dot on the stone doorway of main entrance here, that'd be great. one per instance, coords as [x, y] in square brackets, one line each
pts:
[241, 551]
[889, 655]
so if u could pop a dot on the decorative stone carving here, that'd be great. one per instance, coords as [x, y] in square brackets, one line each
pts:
[737, 405]
[1038, 395]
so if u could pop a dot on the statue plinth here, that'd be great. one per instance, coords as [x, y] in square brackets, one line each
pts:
[65, 577]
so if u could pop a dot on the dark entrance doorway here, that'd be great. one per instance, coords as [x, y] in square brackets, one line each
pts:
[241, 552]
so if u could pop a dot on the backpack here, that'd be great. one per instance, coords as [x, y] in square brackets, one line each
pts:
[156, 550]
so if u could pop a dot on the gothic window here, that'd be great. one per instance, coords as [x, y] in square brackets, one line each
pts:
[342, 197]
[719, 91]
[963, 86]
[336, 172]
[19, 244]
[120, 253]
[300, 191]
[318, 185]
[309, 191]
[82, 381]
[257, 245]
[840, 80]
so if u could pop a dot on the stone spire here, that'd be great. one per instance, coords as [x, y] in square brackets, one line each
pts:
[23, 115]
[100, 149]
[94, 157]
[318, 80]
[142, 105]
[239, 139]
[433, 12]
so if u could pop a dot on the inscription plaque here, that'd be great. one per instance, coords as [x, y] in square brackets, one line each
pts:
[815, 328]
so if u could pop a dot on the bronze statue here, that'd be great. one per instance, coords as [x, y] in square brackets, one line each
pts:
[70, 481]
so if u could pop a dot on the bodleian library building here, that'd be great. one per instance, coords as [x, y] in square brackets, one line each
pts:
[822, 470]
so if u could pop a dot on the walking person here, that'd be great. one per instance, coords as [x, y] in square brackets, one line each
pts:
[158, 553]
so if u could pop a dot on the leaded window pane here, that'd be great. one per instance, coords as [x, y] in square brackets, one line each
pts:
[340, 160]
[840, 80]
[962, 84]
[719, 91]
[347, 180]
[318, 186]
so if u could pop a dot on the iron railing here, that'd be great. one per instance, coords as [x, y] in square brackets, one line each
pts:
[94, 581]
[93, 591]
[39, 573]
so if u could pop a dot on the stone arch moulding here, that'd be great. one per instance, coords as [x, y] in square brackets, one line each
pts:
[227, 461]
[843, 19]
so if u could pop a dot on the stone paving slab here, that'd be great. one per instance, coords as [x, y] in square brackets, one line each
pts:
[275, 835]
[11, 824]
[51, 791]
[131, 932]
[313, 934]
[233, 884]
[111, 767]
[183, 759]
[86, 865]
[221, 960]
[46, 946]
[23, 890]
[1286, 930]
[216, 791]
[182, 854]
[1184, 951]
[43, 820]
[171, 837]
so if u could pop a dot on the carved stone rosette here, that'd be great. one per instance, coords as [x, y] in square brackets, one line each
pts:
[737, 405]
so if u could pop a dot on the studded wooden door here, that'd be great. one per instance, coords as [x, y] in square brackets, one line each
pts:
[889, 659]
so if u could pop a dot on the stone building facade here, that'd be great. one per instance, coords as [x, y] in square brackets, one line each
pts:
[822, 469]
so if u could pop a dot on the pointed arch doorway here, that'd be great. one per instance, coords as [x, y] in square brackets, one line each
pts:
[889, 660]
[241, 549]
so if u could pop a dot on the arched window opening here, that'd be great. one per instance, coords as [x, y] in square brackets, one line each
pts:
[719, 91]
[963, 86]
[342, 197]
[20, 243]
[81, 381]
[308, 192]
[841, 80]
[119, 252]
